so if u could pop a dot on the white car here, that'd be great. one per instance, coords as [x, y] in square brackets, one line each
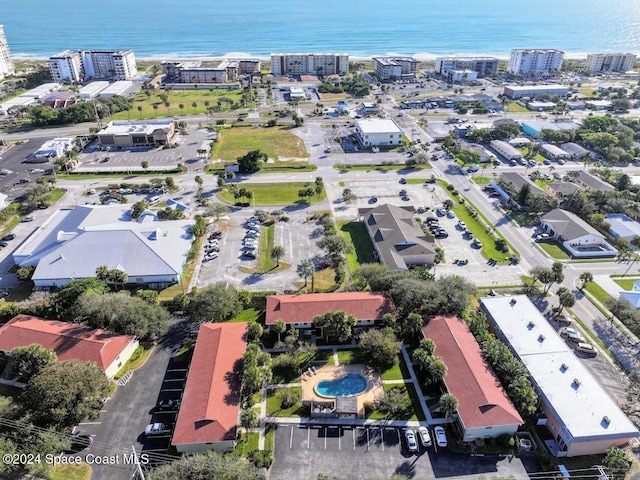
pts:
[425, 438]
[210, 256]
[566, 331]
[587, 349]
[462, 225]
[158, 429]
[450, 214]
[441, 437]
[410, 437]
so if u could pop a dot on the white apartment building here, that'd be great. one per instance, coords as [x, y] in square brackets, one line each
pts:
[391, 68]
[6, 65]
[81, 65]
[309, 64]
[535, 62]
[484, 66]
[610, 62]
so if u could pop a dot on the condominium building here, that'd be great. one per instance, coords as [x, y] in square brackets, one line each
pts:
[6, 65]
[309, 64]
[610, 62]
[484, 66]
[81, 65]
[535, 62]
[392, 68]
[192, 72]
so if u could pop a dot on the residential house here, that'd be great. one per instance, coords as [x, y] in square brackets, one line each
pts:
[622, 226]
[71, 341]
[578, 237]
[209, 414]
[298, 311]
[553, 153]
[581, 417]
[591, 182]
[576, 151]
[484, 409]
[511, 183]
[506, 150]
[562, 189]
[398, 240]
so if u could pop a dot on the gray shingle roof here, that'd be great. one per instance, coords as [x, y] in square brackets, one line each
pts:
[563, 188]
[568, 225]
[594, 182]
[518, 180]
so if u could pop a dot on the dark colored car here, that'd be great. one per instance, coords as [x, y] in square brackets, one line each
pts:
[403, 181]
[168, 405]
[3, 244]
[9, 236]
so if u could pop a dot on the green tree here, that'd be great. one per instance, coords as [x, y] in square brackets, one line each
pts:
[306, 269]
[618, 462]
[216, 210]
[566, 298]
[215, 303]
[523, 195]
[137, 209]
[254, 331]
[394, 401]
[251, 162]
[149, 296]
[380, 347]
[64, 300]
[198, 229]
[209, 466]
[436, 370]
[199, 181]
[279, 327]
[249, 418]
[335, 246]
[448, 404]
[144, 164]
[277, 252]
[585, 278]
[336, 326]
[65, 393]
[447, 204]
[25, 273]
[26, 362]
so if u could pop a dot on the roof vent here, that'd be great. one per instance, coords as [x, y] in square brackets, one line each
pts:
[564, 367]
[606, 420]
[530, 325]
[513, 301]
[541, 338]
[577, 382]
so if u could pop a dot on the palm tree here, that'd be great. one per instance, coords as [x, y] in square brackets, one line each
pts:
[279, 327]
[585, 277]
[565, 298]
[306, 269]
[448, 404]
[155, 108]
[194, 105]
[421, 358]
[277, 252]
[181, 107]
[140, 110]
[102, 273]
[199, 181]
[167, 104]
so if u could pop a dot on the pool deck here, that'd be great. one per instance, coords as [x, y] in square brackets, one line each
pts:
[375, 388]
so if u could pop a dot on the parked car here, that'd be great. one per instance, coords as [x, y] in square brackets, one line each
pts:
[9, 236]
[154, 429]
[425, 438]
[374, 199]
[168, 405]
[566, 331]
[477, 243]
[462, 225]
[441, 436]
[4, 244]
[27, 219]
[403, 192]
[410, 437]
[403, 180]
[450, 214]
[441, 212]
[562, 319]
[249, 254]
[587, 349]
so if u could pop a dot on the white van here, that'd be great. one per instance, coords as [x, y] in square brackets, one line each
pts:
[153, 200]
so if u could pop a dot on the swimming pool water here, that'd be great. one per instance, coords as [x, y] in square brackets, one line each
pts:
[350, 384]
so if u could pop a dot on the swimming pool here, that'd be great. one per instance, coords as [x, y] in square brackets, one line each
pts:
[350, 384]
[591, 248]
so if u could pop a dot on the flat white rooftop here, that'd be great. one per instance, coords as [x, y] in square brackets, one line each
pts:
[378, 125]
[127, 128]
[92, 89]
[581, 406]
[116, 88]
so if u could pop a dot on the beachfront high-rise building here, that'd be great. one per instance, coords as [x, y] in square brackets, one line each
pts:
[80, 65]
[393, 68]
[535, 62]
[309, 64]
[192, 72]
[483, 66]
[6, 65]
[610, 62]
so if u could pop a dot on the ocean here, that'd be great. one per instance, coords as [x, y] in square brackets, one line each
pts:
[362, 28]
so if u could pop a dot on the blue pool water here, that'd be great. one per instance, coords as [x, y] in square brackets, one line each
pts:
[351, 384]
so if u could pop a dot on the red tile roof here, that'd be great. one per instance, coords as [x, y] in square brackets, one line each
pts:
[302, 308]
[70, 341]
[211, 400]
[482, 401]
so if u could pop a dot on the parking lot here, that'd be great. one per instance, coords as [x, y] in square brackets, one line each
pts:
[13, 167]
[298, 237]
[301, 452]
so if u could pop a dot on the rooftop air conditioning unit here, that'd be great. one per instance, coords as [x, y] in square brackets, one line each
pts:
[541, 338]
[531, 325]
[564, 366]
[577, 382]
[606, 420]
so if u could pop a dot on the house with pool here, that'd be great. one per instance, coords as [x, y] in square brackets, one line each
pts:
[298, 311]
[579, 238]
[484, 409]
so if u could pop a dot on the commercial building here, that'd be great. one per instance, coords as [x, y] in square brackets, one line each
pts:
[6, 65]
[398, 240]
[309, 63]
[622, 226]
[91, 90]
[209, 413]
[395, 68]
[71, 341]
[505, 150]
[483, 66]
[610, 62]
[30, 97]
[581, 417]
[52, 149]
[374, 132]
[484, 409]
[116, 88]
[298, 311]
[192, 72]
[137, 133]
[534, 128]
[519, 91]
[579, 238]
[535, 62]
[81, 65]
[73, 243]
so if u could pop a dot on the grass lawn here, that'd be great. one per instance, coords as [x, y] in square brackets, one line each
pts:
[345, 357]
[271, 167]
[325, 278]
[515, 107]
[266, 264]
[625, 283]
[356, 234]
[180, 287]
[274, 141]
[413, 412]
[598, 292]
[138, 359]
[482, 180]
[248, 315]
[270, 436]
[372, 166]
[416, 181]
[274, 404]
[489, 249]
[327, 97]
[398, 371]
[274, 193]
[56, 194]
[70, 472]
[175, 99]
[248, 443]
[554, 250]
[186, 351]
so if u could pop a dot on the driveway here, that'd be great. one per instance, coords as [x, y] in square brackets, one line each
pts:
[355, 453]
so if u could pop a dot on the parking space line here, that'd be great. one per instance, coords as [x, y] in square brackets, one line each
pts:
[367, 439]
[325, 437]
[89, 423]
[308, 437]
[340, 438]
[382, 438]
[291, 439]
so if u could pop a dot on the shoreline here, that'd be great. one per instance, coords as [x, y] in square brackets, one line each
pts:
[421, 56]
